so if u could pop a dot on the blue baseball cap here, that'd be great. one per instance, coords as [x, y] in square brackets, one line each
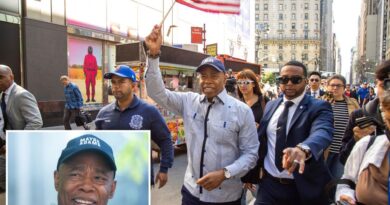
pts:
[122, 71]
[213, 62]
[87, 142]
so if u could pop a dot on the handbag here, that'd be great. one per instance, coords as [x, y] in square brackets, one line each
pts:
[83, 117]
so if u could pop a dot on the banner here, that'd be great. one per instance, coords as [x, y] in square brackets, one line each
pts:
[214, 6]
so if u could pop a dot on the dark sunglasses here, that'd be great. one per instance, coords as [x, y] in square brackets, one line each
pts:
[294, 79]
[312, 80]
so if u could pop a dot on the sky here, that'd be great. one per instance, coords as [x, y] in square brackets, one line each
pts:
[346, 14]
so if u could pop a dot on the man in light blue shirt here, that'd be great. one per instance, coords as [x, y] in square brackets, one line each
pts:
[220, 130]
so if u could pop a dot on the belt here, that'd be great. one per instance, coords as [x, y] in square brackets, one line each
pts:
[285, 181]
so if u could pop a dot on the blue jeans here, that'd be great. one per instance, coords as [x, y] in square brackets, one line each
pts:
[334, 165]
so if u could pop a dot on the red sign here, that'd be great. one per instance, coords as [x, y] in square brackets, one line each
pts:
[196, 35]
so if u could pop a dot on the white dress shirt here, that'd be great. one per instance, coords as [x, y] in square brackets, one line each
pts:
[269, 162]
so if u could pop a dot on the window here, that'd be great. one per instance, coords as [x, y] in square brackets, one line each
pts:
[280, 35]
[316, 16]
[306, 6]
[293, 56]
[280, 26]
[304, 56]
[266, 36]
[293, 46]
[316, 26]
[265, 47]
[306, 26]
[280, 7]
[265, 65]
[293, 26]
[257, 7]
[293, 16]
[293, 35]
[280, 46]
[316, 35]
[265, 7]
[316, 7]
[265, 17]
[280, 56]
[257, 17]
[280, 16]
[305, 46]
[306, 35]
[306, 16]
[293, 6]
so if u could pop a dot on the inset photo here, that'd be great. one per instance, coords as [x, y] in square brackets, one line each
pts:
[78, 167]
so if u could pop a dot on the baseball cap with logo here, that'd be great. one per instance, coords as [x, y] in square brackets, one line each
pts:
[122, 71]
[213, 62]
[87, 142]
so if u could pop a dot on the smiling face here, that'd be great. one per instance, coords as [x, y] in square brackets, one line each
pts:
[85, 179]
[212, 82]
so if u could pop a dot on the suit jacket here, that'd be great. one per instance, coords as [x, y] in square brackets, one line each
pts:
[311, 124]
[22, 110]
[308, 91]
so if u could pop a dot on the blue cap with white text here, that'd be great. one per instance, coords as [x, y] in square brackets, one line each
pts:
[122, 71]
[87, 142]
[212, 62]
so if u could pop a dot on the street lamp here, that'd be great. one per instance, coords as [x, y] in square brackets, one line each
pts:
[261, 28]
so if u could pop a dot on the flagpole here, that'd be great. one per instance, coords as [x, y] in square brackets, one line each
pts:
[166, 15]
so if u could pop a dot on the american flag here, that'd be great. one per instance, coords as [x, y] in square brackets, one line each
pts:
[214, 6]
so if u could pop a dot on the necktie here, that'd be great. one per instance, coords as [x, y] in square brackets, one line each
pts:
[314, 94]
[3, 109]
[281, 135]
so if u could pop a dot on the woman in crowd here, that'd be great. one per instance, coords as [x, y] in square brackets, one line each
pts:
[368, 167]
[250, 93]
[342, 106]
[370, 95]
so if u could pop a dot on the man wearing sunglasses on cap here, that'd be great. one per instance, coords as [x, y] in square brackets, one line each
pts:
[294, 132]
[314, 85]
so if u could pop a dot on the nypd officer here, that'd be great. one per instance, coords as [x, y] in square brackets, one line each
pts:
[128, 112]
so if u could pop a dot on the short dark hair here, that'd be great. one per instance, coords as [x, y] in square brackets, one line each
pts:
[337, 77]
[383, 70]
[299, 64]
[315, 73]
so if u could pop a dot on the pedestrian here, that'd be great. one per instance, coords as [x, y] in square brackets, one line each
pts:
[342, 107]
[350, 92]
[73, 101]
[368, 167]
[128, 112]
[314, 85]
[370, 95]
[85, 172]
[90, 69]
[353, 132]
[294, 132]
[220, 130]
[362, 92]
[249, 91]
[19, 106]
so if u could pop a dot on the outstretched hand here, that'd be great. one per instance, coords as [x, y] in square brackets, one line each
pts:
[154, 40]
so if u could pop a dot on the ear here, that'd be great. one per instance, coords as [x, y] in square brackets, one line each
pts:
[113, 187]
[56, 179]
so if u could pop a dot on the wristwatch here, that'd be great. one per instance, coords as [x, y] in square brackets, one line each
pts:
[227, 173]
[305, 149]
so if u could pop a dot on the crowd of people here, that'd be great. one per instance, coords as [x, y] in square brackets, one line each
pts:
[285, 147]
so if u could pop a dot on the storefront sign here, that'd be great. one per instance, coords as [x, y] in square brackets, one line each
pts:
[212, 49]
[196, 35]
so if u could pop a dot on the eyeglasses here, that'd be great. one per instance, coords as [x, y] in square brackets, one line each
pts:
[316, 80]
[336, 85]
[244, 82]
[294, 79]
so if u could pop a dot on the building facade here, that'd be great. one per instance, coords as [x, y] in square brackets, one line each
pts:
[287, 30]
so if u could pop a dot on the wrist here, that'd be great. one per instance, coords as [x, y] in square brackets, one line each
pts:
[305, 149]
[153, 54]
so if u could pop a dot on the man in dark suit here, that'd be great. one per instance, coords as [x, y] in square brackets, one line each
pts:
[314, 85]
[294, 132]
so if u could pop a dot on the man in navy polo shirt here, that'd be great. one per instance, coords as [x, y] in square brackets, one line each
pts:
[128, 112]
